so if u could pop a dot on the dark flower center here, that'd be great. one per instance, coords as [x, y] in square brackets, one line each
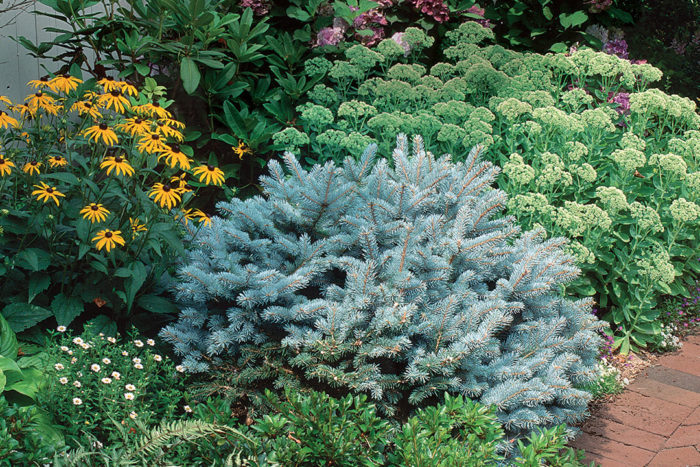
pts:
[2, 113]
[175, 147]
[116, 93]
[108, 234]
[188, 186]
[39, 94]
[33, 163]
[109, 78]
[49, 190]
[88, 105]
[43, 79]
[118, 159]
[160, 123]
[94, 207]
[155, 104]
[155, 137]
[138, 121]
[210, 168]
[166, 188]
[103, 126]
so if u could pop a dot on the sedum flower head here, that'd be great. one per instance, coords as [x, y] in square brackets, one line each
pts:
[531, 203]
[647, 218]
[356, 110]
[356, 142]
[323, 95]
[597, 119]
[512, 109]
[585, 171]
[391, 49]
[576, 218]
[576, 98]
[451, 134]
[657, 267]
[315, 115]
[684, 211]
[575, 150]
[290, 139]
[317, 66]
[404, 72]
[557, 119]
[363, 57]
[517, 171]
[582, 254]
[455, 112]
[628, 159]
[612, 198]
[630, 140]
[669, 164]
[692, 181]
[332, 138]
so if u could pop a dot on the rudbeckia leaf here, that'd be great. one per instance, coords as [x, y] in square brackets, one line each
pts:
[21, 316]
[66, 309]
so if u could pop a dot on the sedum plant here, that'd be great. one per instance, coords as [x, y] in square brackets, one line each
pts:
[400, 282]
[588, 151]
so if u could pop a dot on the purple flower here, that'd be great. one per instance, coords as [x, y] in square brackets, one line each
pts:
[329, 36]
[596, 6]
[622, 99]
[436, 9]
[377, 35]
[476, 10]
[616, 47]
[259, 7]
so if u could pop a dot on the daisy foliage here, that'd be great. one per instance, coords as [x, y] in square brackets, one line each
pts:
[88, 217]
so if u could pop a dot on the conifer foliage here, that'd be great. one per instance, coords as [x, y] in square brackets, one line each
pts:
[395, 279]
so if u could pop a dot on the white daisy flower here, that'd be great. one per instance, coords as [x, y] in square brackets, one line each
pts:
[63, 380]
[77, 401]
[85, 345]
[106, 380]
[77, 384]
[188, 409]
[116, 375]
[95, 367]
[138, 366]
[151, 342]
[132, 415]
[64, 348]
[130, 387]
[129, 396]
[73, 360]
[61, 329]
[138, 343]
[59, 366]
[125, 353]
[136, 360]
[157, 358]
[77, 340]
[180, 368]
[112, 340]
[106, 361]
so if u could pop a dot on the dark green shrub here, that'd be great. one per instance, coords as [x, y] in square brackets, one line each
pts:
[26, 436]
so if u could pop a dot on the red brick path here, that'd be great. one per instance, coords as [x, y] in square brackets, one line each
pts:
[655, 421]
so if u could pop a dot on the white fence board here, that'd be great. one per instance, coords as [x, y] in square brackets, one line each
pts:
[17, 67]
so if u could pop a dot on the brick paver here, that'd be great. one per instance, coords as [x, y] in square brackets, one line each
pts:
[655, 421]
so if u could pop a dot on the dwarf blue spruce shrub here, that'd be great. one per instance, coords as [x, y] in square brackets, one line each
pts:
[398, 280]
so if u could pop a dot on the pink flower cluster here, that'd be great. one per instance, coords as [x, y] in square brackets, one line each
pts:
[596, 6]
[476, 10]
[332, 35]
[373, 20]
[259, 7]
[436, 9]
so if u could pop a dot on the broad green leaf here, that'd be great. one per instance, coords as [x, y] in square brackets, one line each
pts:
[134, 283]
[103, 324]
[189, 73]
[576, 18]
[156, 304]
[8, 340]
[21, 316]
[37, 284]
[559, 47]
[34, 259]
[66, 309]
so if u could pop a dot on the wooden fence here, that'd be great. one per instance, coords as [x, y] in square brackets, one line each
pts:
[16, 65]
